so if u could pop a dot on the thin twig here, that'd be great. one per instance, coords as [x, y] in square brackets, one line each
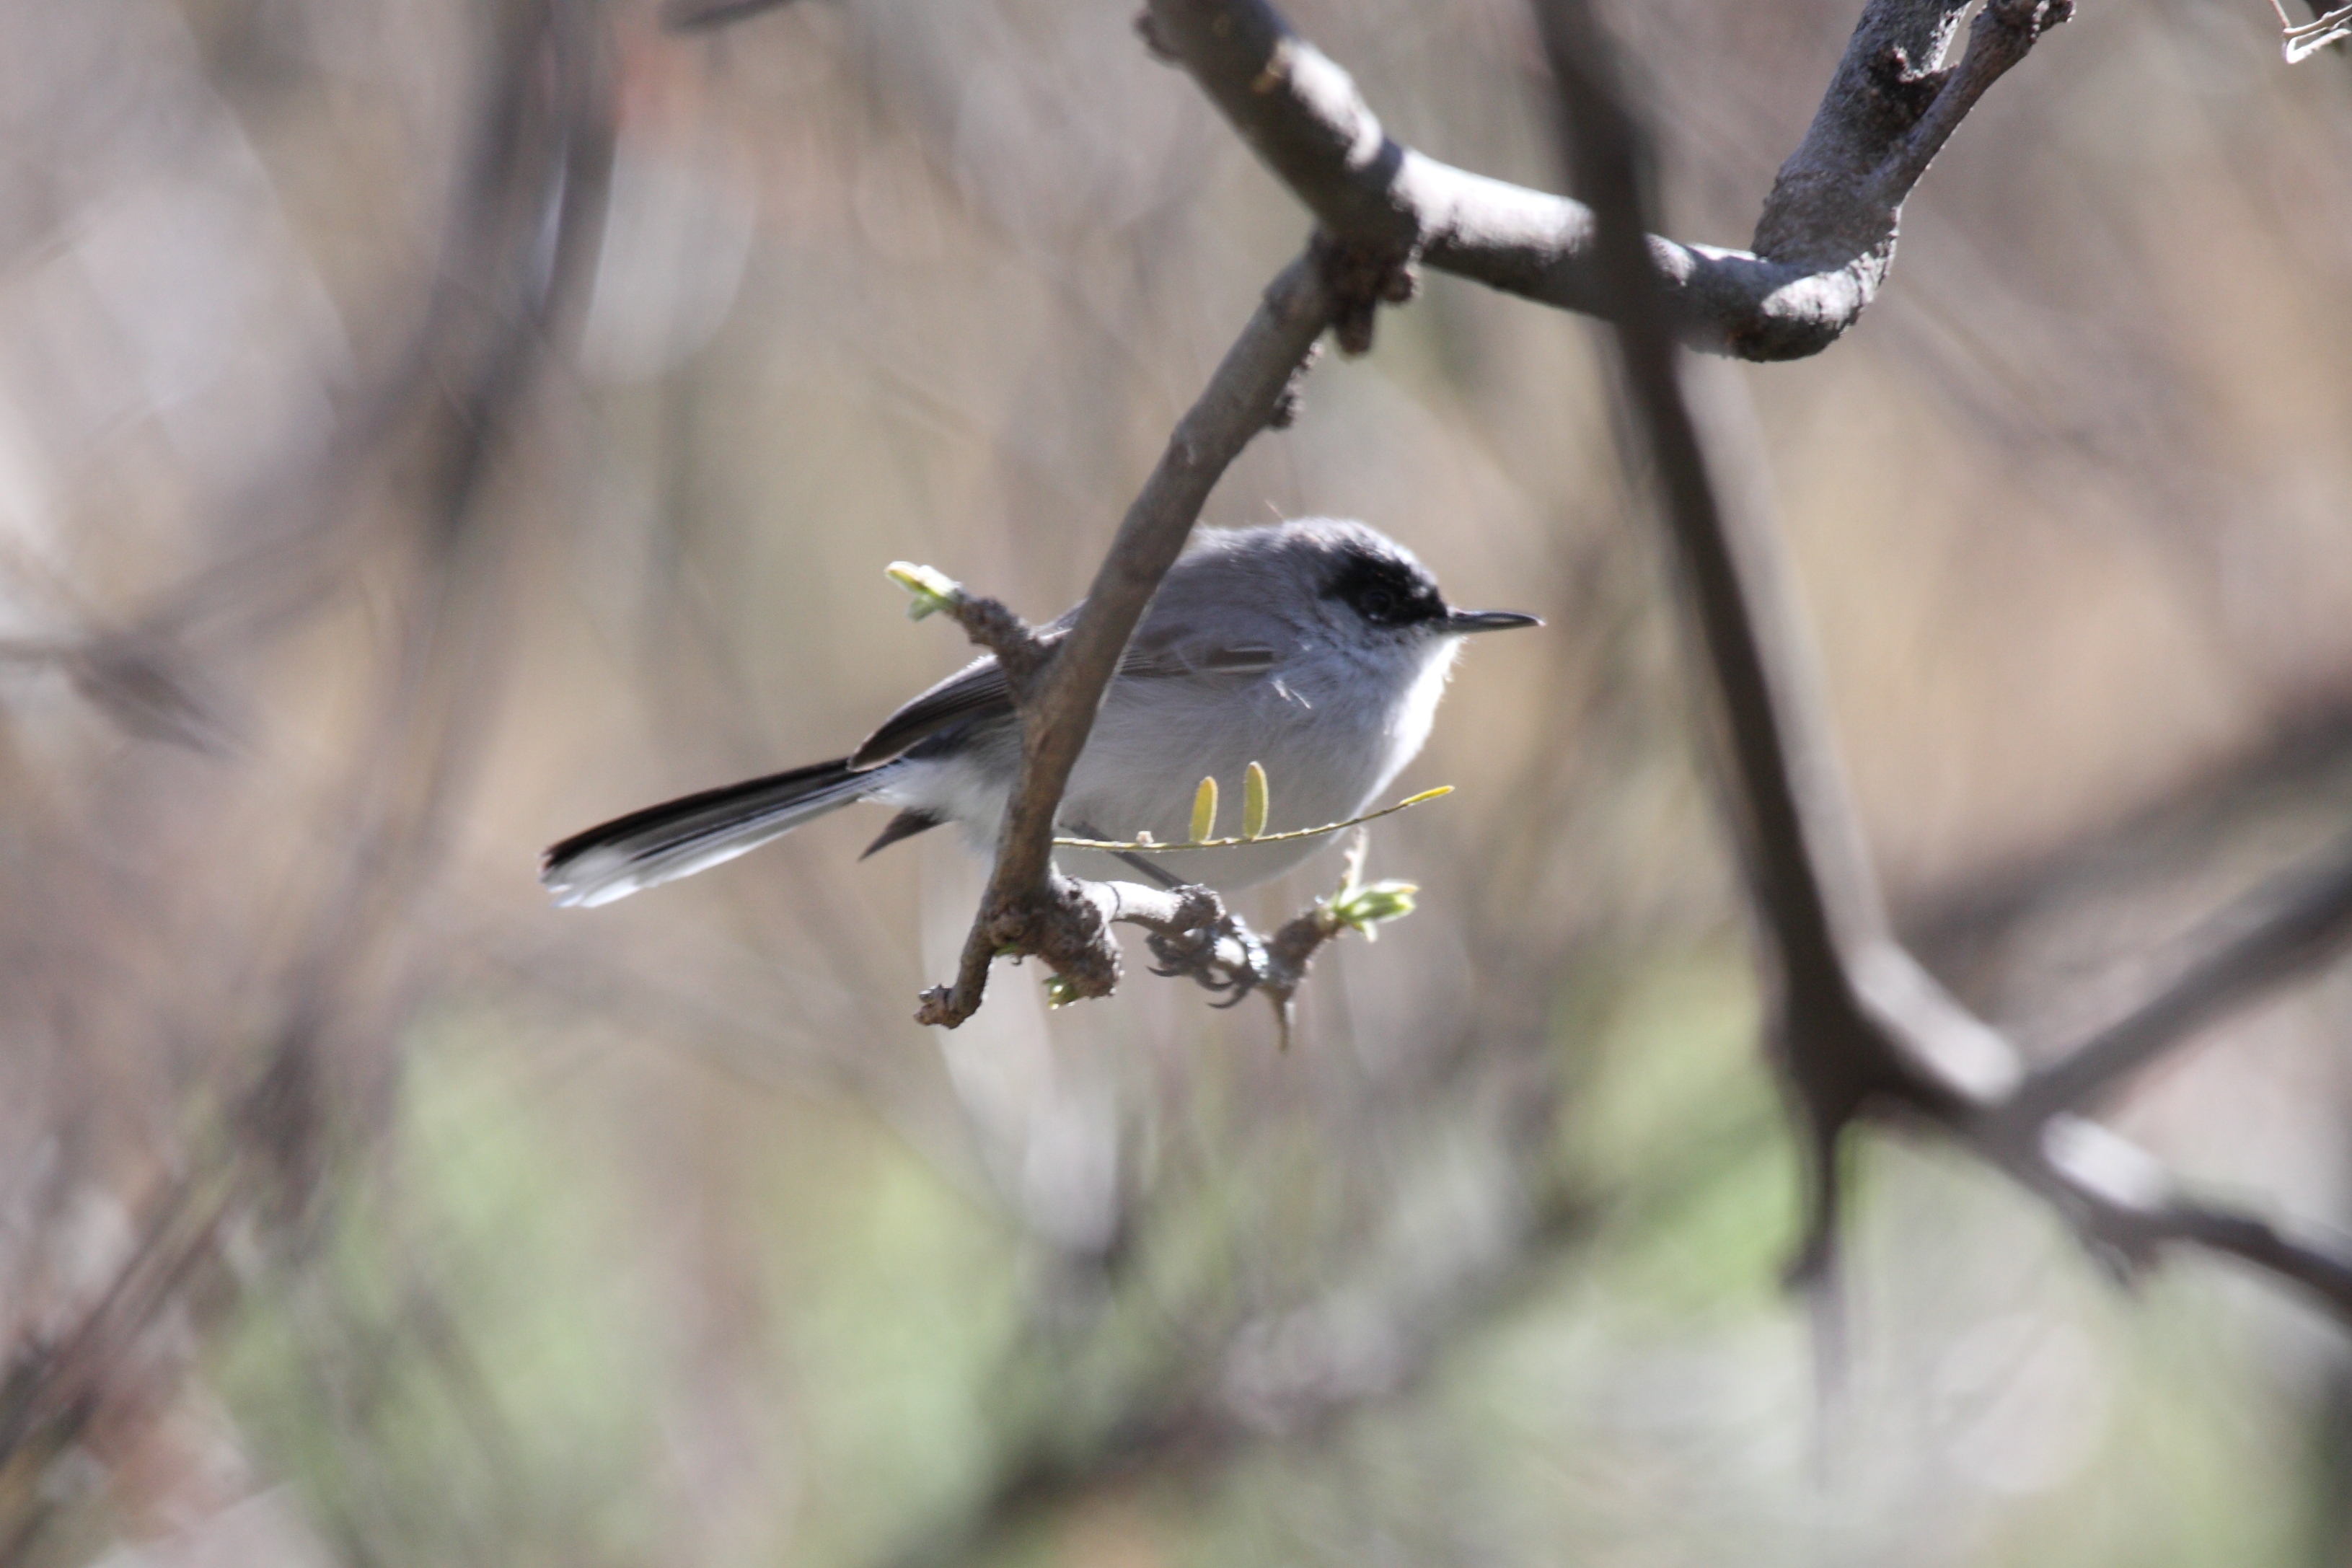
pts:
[706, 15]
[2003, 33]
[1153, 846]
[2282, 930]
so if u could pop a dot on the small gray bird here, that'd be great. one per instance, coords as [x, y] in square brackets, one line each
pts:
[1318, 649]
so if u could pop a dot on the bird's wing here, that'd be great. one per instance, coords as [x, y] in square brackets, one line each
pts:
[1169, 647]
[979, 691]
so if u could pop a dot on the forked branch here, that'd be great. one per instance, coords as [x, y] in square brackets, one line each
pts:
[1862, 1031]
[1823, 242]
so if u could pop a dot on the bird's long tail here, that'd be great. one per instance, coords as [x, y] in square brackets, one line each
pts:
[682, 836]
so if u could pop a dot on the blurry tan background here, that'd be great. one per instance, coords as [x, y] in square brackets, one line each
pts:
[356, 1207]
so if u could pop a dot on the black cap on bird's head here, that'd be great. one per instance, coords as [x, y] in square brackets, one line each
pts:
[1382, 583]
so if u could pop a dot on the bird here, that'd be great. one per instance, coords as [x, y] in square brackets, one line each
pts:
[1317, 647]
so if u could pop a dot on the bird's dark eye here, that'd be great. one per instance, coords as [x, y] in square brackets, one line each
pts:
[1386, 591]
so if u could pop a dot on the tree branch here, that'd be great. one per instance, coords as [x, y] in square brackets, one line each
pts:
[2125, 1205]
[1382, 208]
[1029, 908]
[1823, 243]
[1824, 240]
[1861, 1030]
[2299, 921]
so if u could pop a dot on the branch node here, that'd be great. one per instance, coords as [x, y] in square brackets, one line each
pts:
[1360, 276]
[1907, 89]
[1292, 399]
[936, 1008]
[1061, 925]
[2024, 20]
[1019, 650]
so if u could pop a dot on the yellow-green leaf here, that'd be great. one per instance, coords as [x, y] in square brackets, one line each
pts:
[1254, 801]
[1204, 810]
[932, 590]
[1366, 907]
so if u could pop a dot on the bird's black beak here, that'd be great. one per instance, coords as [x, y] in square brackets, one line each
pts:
[1464, 622]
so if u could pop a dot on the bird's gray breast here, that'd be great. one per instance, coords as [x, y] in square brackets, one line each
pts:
[1326, 733]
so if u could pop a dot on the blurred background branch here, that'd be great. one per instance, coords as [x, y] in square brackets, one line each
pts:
[1861, 1030]
[298, 1062]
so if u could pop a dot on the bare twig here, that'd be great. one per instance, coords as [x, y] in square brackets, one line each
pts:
[2126, 1208]
[1823, 242]
[2281, 931]
[704, 15]
[2299, 42]
[1194, 937]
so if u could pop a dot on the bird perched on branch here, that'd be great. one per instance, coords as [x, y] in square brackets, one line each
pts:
[1318, 649]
